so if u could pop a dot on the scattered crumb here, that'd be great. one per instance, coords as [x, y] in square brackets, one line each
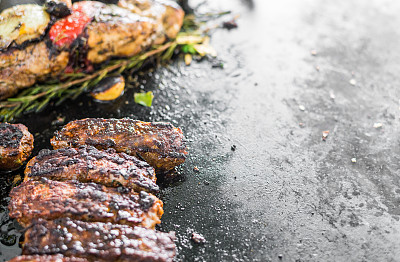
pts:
[198, 238]
[313, 52]
[325, 135]
[302, 108]
[354, 160]
[332, 95]
[302, 125]
[353, 82]
[378, 125]
[233, 147]
[196, 169]
[317, 68]
[59, 121]
[206, 182]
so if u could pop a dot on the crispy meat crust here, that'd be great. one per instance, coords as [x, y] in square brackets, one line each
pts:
[22, 68]
[116, 31]
[49, 258]
[159, 144]
[16, 145]
[87, 164]
[167, 14]
[98, 241]
[83, 201]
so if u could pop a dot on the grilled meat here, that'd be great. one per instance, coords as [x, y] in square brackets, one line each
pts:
[103, 31]
[22, 68]
[87, 164]
[47, 258]
[98, 241]
[167, 14]
[160, 144]
[83, 201]
[16, 144]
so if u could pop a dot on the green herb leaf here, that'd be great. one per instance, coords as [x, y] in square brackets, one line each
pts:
[144, 99]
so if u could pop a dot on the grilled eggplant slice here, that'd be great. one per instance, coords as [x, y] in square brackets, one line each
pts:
[160, 144]
[98, 241]
[87, 164]
[16, 145]
[22, 23]
[91, 202]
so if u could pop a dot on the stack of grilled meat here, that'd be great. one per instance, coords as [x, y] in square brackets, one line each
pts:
[38, 42]
[91, 198]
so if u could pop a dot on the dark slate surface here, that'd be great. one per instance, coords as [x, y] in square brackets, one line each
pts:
[284, 194]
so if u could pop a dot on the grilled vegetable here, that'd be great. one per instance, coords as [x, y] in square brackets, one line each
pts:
[58, 8]
[109, 88]
[16, 144]
[22, 23]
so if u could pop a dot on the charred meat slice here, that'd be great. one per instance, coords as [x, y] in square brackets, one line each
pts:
[22, 68]
[168, 15]
[160, 144]
[47, 258]
[49, 200]
[98, 241]
[16, 144]
[87, 164]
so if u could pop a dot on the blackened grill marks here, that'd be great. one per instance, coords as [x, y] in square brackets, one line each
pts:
[160, 144]
[49, 199]
[87, 164]
[10, 135]
[98, 241]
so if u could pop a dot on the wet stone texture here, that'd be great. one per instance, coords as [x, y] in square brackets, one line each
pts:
[292, 71]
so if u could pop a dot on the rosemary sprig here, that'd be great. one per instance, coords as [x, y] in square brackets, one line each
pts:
[37, 97]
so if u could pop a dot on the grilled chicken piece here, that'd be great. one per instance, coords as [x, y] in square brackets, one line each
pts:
[104, 31]
[167, 14]
[16, 144]
[159, 144]
[87, 164]
[22, 68]
[47, 258]
[98, 241]
[49, 199]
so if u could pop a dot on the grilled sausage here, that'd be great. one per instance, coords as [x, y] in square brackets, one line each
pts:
[160, 144]
[87, 164]
[83, 201]
[47, 258]
[98, 241]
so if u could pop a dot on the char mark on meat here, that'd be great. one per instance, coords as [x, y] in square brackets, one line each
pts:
[160, 144]
[98, 241]
[87, 164]
[91, 202]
